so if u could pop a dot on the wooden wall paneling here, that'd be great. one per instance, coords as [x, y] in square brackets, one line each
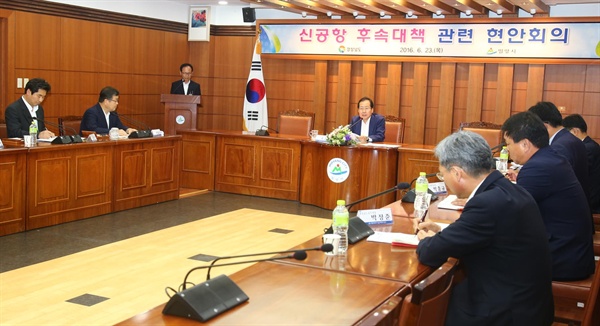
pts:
[475, 91]
[406, 96]
[146, 58]
[319, 100]
[535, 86]
[446, 106]
[369, 69]
[115, 51]
[564, 86]
[38, 41]
[78, 45]
[504, 93]
[591, 98]
[178, 53]
[392, 90]
[7, 41]
[343, 102]
[417, 121]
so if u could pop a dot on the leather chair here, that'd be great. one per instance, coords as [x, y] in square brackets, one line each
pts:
[394, 129]
[3, 131]
[427, 305]
[577, 302]
[295, 122]
[490, 131]
[69, 125]
[596, 222]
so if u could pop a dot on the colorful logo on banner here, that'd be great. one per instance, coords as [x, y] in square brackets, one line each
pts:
[338, 170]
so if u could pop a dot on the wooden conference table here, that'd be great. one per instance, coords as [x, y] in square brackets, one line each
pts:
[364, 288]
[53, 183]
[295, 168]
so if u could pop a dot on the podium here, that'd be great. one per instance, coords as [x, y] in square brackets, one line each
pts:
[180, 112]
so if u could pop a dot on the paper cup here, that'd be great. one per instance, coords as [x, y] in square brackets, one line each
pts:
[334, 239]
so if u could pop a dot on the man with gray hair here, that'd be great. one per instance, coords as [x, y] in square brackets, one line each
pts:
[499, 239]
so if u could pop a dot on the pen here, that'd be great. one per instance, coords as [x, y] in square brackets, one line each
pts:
[422, 220]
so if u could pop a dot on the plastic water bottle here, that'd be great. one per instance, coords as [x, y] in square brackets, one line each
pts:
[33, 130]
[420, 203]
[503, 162]
[341, 217]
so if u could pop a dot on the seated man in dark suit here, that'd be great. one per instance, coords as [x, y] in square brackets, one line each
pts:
[20, 114]
[499, 239]
[549, 178]
[185, 85]
[369, 126]
[577, 126]
[101, 117]
[564, 143]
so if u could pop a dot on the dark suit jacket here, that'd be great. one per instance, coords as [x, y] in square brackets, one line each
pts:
[193, 88]
[548, 177]
[18, 119]
[376, 127]
[501, 243]
[573, 149]
[94, 120]
[593, 152]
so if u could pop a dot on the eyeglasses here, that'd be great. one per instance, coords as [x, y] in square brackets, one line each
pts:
[364, 109]
[186, 73]
[439, 176]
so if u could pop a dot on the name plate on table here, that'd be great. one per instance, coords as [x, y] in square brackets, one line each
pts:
[376, 216]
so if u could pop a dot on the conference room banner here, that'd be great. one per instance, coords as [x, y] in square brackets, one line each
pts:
[480, 40]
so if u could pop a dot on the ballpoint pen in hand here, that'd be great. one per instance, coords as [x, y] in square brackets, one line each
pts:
[422, 220]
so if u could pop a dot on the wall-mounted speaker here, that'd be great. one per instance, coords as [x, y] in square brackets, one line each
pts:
[249, 15]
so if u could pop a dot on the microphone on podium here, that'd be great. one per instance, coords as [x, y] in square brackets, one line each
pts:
[213, 297]
[325, 248]
[409, 197]
[263, 132]
[401, 185]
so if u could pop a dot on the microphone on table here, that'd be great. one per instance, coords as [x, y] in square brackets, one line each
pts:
[145, 131]
[210, 298]
[401, 185]
[409, 197]
[264, 132]
[325, 248]
[66, 139]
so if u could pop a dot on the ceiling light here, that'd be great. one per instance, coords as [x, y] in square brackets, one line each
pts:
[499, 12]
[410, 13]
[438, 12]
[381, 14]
[468, 12]
[355, 13]
[532, 11]
[304, 14]
[222, 2]
[329, 14]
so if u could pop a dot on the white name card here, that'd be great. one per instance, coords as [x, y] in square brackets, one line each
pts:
[376, 216]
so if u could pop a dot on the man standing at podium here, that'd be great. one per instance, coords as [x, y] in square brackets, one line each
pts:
[185, 85]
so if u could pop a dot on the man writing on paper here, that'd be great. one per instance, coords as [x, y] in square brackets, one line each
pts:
[499, 239]
[28, 108]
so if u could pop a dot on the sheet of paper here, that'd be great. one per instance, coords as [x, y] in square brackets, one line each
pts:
[447, 203]
[389, 237]
[46, 140]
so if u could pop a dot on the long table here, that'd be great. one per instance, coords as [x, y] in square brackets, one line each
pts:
[295, 168]
[53, 184]
[365, 287]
